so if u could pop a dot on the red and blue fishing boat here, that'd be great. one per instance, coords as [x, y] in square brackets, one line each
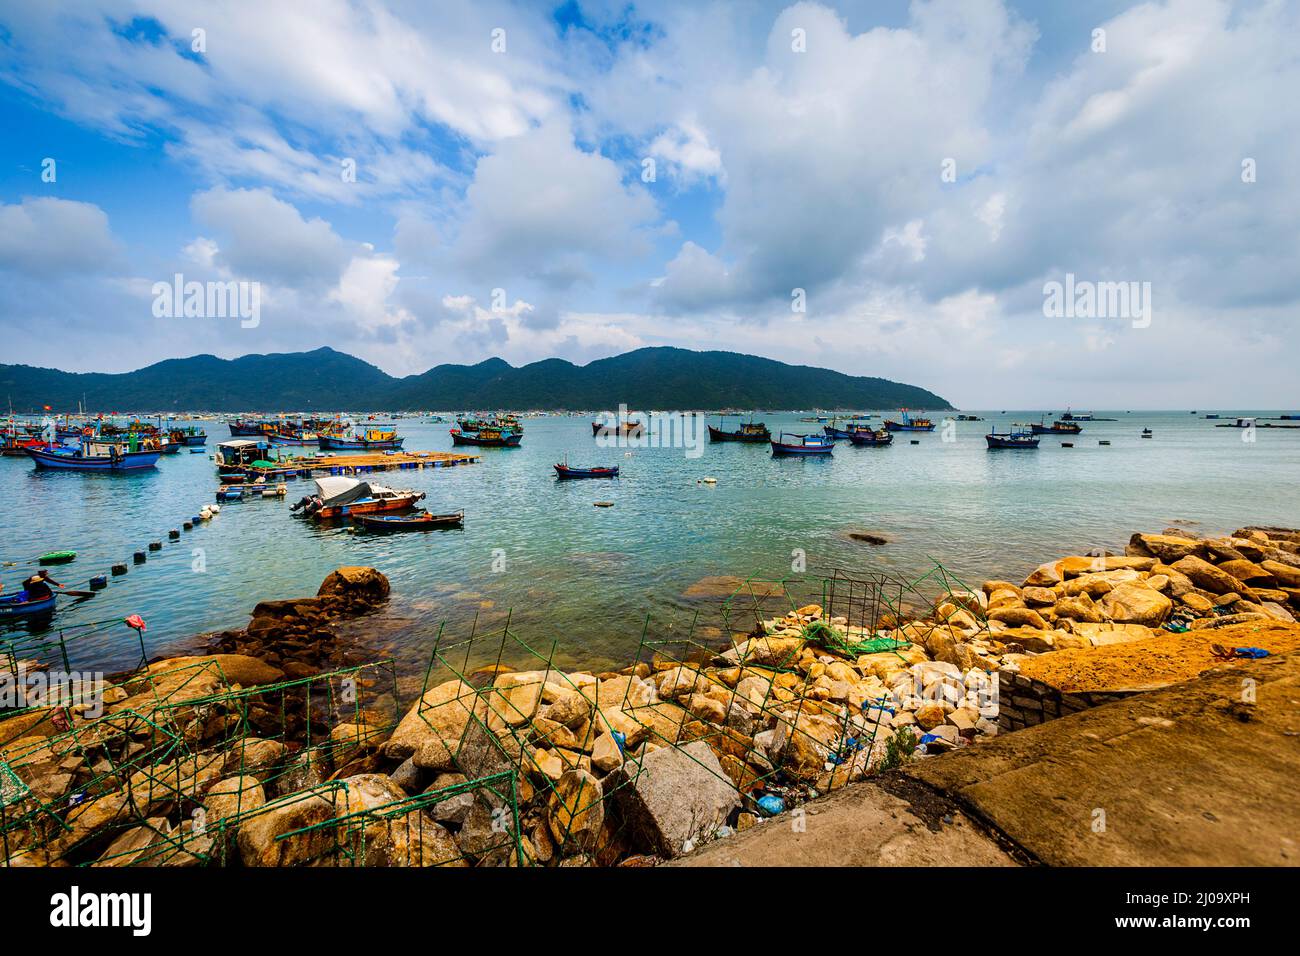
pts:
[1012, 439]
[564, 471]
[14, 606]
[806, 445]
[487, 438]
[751, 431]
[907, 423]
[97, 455]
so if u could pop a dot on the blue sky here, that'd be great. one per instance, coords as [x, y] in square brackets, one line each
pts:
[500, 204]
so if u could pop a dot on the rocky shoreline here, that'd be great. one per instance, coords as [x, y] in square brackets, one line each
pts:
[285, 746]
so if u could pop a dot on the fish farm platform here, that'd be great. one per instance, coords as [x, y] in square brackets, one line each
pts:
[309, 465]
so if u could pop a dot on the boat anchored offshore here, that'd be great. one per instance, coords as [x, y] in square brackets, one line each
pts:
[418, 521]
[751, 432]
[98, 455]
[564, 471]
[907, 423]
[866, 436]
[337, 496]
[806, 445]
[1058, 427]
[1012, 439]
[487, 438]
[372, 439]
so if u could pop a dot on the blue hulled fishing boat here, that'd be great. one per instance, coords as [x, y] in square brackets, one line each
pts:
[806, 445]
[97, 456]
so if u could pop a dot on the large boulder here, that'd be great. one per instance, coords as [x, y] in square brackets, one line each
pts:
[258, 843]
[235, 668]
[355, 584]
[674, 797]
[1206, 576]
[576, 811]
[439, 717]
[1135, 603]
[1167, 548]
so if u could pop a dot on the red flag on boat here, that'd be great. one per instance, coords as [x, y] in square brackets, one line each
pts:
[137, 622]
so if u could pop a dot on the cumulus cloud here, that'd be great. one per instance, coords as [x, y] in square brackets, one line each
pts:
[543, 207]
[50, 237]
[262, 237]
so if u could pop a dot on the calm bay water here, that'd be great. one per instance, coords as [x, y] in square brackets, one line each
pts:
[586, 578]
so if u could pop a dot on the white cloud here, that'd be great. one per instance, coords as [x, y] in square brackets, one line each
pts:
[543, 207]
[262, 237]
[54, 237]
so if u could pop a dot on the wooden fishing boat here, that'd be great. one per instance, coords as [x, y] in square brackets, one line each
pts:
[907, 423]
[626, 429]
[870, 437]
[806, 445]
[847, 432]
[299, 437]
[372, 439]
[1012, 439]
[751, 432]
[487, 438]
[16, 605]
[250, 429]
[96, 456]
[16, 445]
[564, 471]
[417, 521]
[1059, 427]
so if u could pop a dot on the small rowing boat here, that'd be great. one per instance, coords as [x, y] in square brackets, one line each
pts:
[806, 445]
[418, 521]
[564, 471]
[17, 605]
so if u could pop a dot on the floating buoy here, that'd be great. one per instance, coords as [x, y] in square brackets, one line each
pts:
[155, 545]
[119, 569]
[709, 481]
[1103, 443]
[916, 441]
[187, 525]
[174, 533]
[604, 504]
[1067, 444]
[140, 557]
[99, 582]
[215, 509]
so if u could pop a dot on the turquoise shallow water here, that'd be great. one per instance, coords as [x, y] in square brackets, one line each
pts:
[587, 578]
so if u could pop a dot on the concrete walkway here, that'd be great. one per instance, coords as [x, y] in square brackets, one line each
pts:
[1188, 775]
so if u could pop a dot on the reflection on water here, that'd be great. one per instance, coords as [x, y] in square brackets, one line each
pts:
[590, 581]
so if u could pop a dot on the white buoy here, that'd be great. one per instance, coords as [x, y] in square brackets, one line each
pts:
[215, 509]
[709, 480]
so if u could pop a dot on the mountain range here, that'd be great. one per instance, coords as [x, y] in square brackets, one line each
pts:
[327, 380]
